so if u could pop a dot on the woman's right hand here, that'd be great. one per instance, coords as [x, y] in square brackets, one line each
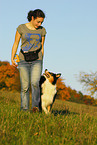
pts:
[13, 63]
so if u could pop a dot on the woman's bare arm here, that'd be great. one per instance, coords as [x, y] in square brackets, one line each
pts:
[14, 48]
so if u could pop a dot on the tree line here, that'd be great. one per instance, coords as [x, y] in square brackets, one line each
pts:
[9, 79]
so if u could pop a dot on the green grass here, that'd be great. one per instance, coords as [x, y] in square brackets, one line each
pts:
[69, 123]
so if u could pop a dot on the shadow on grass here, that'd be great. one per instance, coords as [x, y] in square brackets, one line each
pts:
[63, 112]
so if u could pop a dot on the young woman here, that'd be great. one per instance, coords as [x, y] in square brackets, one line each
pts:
[32, 36]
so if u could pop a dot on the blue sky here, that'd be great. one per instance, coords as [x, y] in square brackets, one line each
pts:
[71, 40]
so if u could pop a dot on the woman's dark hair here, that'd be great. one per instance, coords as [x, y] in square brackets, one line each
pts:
[36, 13]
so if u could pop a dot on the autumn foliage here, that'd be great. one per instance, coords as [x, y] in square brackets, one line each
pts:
[66, 93]
[9, 79]
[62, 90]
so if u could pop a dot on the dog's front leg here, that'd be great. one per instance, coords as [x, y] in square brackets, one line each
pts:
[44, 108]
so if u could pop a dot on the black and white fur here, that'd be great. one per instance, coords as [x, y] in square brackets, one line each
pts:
[48, 90]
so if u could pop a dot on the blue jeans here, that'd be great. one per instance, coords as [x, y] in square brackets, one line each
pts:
[30, 72]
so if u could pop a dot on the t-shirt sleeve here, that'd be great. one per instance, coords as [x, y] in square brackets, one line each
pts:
[19, 29]
[43, 32]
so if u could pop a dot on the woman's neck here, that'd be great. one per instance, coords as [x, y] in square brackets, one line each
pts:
[30, 26]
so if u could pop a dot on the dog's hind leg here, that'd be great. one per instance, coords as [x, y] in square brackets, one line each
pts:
[49, 108]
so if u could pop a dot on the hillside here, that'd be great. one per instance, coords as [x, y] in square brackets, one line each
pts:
[70, 123]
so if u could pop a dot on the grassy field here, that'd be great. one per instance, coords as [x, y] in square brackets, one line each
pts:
[69, 123]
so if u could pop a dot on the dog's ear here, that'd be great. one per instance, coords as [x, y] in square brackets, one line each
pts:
[58, 75]
[46, 70]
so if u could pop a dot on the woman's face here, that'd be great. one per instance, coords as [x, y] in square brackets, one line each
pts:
[37, 22]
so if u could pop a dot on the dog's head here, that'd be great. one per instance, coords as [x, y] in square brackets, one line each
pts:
[52, 77]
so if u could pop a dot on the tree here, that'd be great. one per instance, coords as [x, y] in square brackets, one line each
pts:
[9, 76]
[89, 81]
[62, 90]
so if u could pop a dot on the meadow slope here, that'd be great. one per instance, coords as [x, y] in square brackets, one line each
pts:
[69, 123]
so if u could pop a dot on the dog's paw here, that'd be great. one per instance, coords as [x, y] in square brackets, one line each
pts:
[47, 113]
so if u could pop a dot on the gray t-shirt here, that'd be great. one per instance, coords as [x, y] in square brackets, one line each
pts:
[31, 39]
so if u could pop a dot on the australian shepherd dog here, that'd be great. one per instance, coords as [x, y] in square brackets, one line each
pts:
[48, 90]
